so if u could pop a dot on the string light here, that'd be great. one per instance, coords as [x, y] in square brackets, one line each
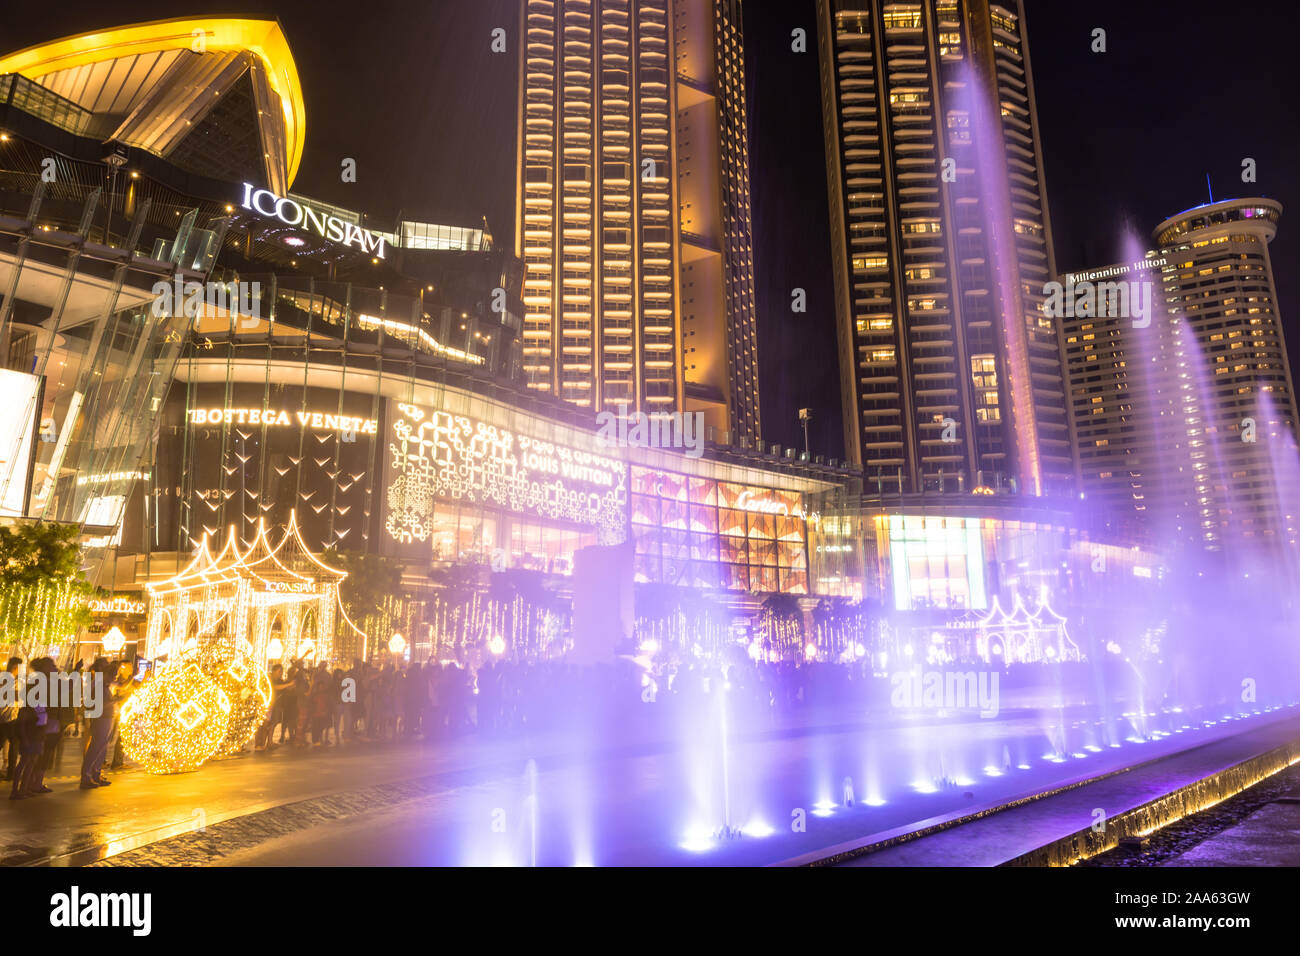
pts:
[175, 721]
[114, 640]
[245, 683]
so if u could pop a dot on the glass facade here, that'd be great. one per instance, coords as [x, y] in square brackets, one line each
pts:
[87, 348]
[701, 532]
[946, 561]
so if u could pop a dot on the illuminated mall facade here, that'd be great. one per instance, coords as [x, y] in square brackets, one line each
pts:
[373, 386]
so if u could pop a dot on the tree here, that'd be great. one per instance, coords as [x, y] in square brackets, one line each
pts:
[43, 591]
[371, 579]
[40, 552]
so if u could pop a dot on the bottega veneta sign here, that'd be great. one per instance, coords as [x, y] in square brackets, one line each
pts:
[294, 212]
[281, 418]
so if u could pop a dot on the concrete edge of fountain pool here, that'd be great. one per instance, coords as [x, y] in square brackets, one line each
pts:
[1192, 780]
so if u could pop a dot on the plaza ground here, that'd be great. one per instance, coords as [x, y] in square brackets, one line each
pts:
[555, 801]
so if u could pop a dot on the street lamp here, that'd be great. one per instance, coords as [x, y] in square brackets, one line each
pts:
[805, 416]
[397, 643]
[114, 640]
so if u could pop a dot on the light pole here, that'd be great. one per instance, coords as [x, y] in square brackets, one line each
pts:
[805, 416]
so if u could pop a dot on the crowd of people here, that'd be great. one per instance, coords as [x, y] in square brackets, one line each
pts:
[34, 732]
[323, 705]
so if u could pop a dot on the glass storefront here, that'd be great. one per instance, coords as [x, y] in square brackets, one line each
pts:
[701, 532]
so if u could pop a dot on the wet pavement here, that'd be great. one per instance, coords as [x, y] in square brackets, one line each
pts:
[553, 801]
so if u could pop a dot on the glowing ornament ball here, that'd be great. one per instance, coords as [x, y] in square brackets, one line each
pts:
[175, 721]
[244, 682]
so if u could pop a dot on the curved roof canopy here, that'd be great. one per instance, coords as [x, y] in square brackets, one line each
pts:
[153, 85]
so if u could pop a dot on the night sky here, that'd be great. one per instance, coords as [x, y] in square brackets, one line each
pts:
[413, 93]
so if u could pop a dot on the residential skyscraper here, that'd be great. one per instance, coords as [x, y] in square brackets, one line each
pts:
[951, 373]
[633, 217]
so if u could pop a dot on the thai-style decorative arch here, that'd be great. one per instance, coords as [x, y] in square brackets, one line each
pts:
[236, 596]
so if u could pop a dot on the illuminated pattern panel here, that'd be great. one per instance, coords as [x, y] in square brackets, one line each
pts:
[437, 456]
[699, 532]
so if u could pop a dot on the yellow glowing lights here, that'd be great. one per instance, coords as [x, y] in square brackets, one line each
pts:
[114, 640]
[175, 721]
[211, 703]
[262, 38]
[397, 644]
[245, 684]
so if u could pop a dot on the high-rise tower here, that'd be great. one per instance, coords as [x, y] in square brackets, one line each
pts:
[633, 217]
[1185, 416]
[951, 373]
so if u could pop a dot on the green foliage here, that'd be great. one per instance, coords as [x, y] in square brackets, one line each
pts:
[372, 578]
[43, 592]
[40, 552]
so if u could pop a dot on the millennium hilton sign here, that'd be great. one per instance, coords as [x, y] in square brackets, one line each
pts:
[294, 212]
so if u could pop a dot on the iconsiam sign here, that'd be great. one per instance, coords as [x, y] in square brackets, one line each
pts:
[436, 455]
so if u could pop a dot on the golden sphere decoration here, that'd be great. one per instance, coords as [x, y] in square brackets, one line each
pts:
[246, 684]
[175, 721]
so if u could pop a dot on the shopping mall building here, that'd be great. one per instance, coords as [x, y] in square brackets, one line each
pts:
[203, 355]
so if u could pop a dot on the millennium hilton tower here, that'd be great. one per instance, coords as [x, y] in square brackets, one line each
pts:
[951, 373]
[1186, 425]
[633, 217]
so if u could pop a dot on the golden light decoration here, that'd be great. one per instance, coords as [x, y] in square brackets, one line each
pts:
[114, 640]
[275, 650]
[244, 682]
[175, 721]
[397, 644]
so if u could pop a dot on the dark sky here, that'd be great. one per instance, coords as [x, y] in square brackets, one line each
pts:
[412, 91]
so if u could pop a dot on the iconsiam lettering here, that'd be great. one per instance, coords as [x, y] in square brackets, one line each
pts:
[435, 455]
[292, 212]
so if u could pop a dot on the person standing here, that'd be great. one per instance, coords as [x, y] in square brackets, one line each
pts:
[9, 717]
[124, 684]
[289, 711]
[32, 721]
[275, 714]
[320, 694]
[99, 729]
